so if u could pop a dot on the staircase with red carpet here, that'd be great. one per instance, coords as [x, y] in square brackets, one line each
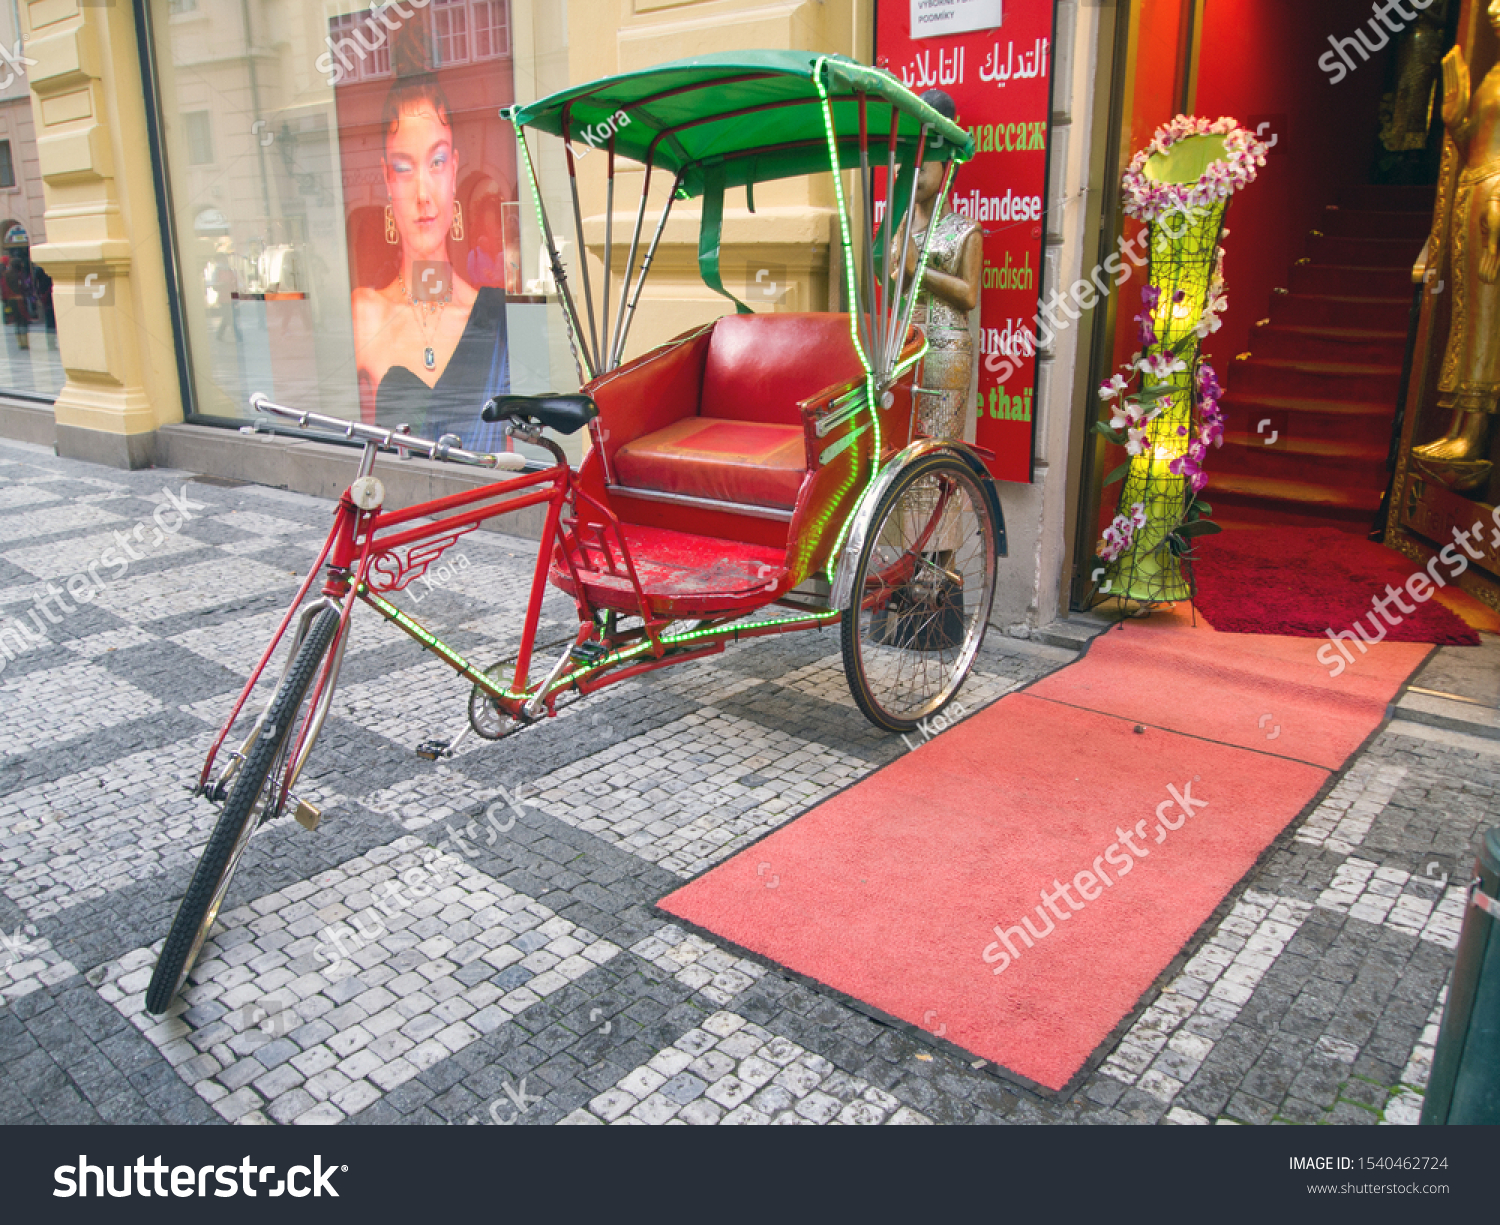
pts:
[1325, 371]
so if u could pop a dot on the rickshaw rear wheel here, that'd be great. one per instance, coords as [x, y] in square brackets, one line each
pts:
[923, 588]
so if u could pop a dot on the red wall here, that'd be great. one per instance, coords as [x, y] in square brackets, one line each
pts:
[1160, 65]
[1259, 62]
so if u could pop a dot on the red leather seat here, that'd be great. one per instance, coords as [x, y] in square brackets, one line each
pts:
[726, 461]
[746, 444]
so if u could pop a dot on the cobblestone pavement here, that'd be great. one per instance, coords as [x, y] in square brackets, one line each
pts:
[523, 975]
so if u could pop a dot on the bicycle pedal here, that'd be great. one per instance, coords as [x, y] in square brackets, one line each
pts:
[307, 815]
[589, 652]
[431, 750]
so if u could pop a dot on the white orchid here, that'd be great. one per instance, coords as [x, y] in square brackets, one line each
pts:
[1161, 366]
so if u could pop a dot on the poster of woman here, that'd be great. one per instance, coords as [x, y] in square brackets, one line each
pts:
[429, 170]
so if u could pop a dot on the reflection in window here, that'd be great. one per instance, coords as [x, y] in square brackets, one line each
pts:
[7, 168]
[491, 31]
[450, 31]
[200, 138]
[364, 46]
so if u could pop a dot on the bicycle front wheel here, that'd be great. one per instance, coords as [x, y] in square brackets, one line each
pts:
[241, 814]
[923, 588]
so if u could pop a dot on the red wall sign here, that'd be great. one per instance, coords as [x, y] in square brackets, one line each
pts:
[1001, 80]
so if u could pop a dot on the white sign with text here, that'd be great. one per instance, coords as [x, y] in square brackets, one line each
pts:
[930, 18]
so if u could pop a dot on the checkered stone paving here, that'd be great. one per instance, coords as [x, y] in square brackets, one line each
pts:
[730, 1071]
[534, 981]
[28, 963]
[56, 704]
[690, 794]
[314, 1000]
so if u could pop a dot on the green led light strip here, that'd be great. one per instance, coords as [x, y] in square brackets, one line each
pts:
[838, 546]
[736, 630]
[391, 613]
[852, 280]
[634, 652]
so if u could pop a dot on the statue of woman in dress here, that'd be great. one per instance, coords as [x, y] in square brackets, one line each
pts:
[1470, 381]
[949, 291]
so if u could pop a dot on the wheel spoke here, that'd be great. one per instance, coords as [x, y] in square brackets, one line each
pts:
[913, 641]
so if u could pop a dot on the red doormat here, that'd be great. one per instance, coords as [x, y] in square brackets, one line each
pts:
[924, 889]
[1304, 582]
[1260, 692]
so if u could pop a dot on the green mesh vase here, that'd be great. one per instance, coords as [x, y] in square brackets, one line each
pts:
[1184, 247]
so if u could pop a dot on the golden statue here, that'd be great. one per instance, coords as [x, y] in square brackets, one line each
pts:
[1470, 381]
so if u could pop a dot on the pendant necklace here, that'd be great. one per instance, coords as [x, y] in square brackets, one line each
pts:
[425, 311]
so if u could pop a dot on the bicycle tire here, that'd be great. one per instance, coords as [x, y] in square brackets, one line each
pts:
[231, 833]
[882, 668]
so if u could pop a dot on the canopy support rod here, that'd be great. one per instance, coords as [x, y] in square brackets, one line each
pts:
[609, 237]
[635, 242]
[646, 263]
[583, 251]
[586, 369]
[890, 224]
[868, 298]
[896, 337]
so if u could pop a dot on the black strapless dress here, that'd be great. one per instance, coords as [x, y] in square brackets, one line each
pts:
[478, 369]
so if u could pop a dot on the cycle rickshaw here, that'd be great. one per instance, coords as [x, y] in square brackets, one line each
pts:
[759, 475]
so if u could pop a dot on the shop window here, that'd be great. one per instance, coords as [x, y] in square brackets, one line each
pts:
[200, 137]
[7, 167]
[303, 252]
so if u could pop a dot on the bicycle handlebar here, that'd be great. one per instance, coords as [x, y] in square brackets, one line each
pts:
[442, 449]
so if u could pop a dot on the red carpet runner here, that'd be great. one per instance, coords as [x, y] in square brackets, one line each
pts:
[1017, 884]
[1306, 581]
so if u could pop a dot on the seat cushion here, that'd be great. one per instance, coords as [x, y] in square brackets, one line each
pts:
[725, 461]
[760, 366]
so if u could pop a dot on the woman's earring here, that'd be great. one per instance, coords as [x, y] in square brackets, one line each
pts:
[458, 222]
[390, 227]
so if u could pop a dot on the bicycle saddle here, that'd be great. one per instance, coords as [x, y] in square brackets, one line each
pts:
[565, 414]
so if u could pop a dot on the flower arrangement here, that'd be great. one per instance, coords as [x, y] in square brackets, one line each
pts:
[1164, 408]
[1135, 409]
[1147, 199]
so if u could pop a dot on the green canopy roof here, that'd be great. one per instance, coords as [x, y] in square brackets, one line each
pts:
[757, 113]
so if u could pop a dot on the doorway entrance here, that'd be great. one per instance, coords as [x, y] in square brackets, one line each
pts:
[1319, 253]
